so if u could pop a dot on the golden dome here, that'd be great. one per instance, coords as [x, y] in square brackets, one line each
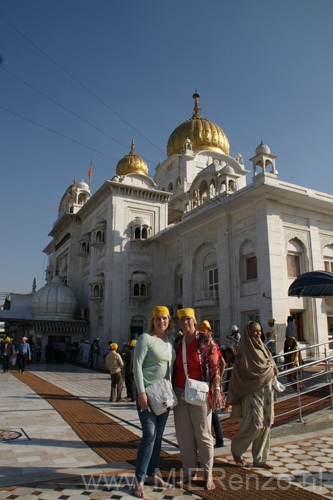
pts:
[202, 133]
[131, 164]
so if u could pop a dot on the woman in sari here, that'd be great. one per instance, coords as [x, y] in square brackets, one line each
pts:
[251, 395]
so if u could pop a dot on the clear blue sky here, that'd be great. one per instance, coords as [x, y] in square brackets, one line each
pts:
[263, 69]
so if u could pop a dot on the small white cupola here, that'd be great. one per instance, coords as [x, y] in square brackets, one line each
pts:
[239, 158]
[265, 160]
[187, 146]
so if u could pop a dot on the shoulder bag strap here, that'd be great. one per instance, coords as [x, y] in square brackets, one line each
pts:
[170, 359]
[184, 357]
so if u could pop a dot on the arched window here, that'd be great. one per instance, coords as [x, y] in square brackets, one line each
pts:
[248, 262]
[170, 186]
[82, 198]
[211, 273]
[328, 258]
[139, 285]
[203, 192]
[98, 237]
[294, 258]
[140, 229]
[232, 186]
[205, 275]
[97, 288]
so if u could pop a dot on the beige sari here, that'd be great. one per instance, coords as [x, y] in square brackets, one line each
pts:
[251, 381]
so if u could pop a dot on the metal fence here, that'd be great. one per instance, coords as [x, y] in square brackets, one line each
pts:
[304, 382]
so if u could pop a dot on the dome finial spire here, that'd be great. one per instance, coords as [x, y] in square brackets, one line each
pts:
[132, 164]
[203, 134]
[196, 108]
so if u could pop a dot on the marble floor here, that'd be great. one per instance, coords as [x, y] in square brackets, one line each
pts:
[48, 457]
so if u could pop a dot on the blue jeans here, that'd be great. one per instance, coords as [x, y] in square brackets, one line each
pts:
[151, 442]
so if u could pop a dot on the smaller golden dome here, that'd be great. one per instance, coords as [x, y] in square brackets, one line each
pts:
[132, 164]
[202, 133]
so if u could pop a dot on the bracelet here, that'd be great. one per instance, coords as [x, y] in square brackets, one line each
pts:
[217, 388]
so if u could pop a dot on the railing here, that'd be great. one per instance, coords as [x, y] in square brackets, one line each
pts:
[207, 295]
[310, 376]
[300, 390]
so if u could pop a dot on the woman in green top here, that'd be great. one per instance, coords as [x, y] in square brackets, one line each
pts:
[151, 360]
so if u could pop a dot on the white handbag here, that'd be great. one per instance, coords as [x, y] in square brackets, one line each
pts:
[196, 391]
[160, 394]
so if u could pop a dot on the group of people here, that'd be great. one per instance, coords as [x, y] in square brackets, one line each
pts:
[195, 354]
[12, 354]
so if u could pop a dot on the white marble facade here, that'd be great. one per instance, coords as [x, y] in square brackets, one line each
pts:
[205, 233]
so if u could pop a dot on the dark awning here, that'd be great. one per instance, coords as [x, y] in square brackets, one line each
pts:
[313, 284]
[42, 326]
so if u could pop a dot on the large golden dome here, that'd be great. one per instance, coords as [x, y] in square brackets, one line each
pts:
[132, 164]
[202, 133]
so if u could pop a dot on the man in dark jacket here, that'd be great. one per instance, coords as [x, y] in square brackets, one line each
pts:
[129, 377]
[6, 353]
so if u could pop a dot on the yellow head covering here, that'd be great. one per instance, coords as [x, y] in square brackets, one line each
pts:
[7, 339]
[186, 312]
[205, 327]
[113, 346]
[159, 310]
[133, 343]
[271, 321]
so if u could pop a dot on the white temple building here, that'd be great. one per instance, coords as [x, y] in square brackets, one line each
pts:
[206, 232]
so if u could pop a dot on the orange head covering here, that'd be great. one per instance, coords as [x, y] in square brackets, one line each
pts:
[205, 327]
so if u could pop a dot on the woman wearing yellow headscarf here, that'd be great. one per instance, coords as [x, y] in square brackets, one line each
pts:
[151, 363]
